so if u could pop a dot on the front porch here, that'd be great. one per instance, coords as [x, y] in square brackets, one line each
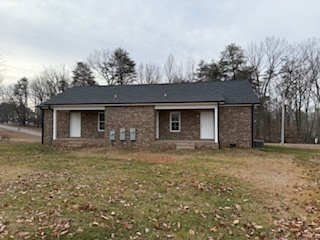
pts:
[178, 126]
[187, 123]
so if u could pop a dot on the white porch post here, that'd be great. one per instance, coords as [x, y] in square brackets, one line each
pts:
[157, 124]
[216, 124]
[54, 127]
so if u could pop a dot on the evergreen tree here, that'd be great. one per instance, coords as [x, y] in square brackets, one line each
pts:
[232, 62]
[208, 71]
[20, 92]
[82, 75]
[122, 66]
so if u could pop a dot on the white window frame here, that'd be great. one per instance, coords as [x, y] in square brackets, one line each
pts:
[170, 126]
[101, 130]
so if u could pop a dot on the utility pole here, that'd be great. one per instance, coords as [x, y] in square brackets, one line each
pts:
[282, 118]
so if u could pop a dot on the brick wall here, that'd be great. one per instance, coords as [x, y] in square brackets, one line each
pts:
[47, 126]
[63, 124]
[89, 125]
[190, 125]
[140, 117]
[235, 126]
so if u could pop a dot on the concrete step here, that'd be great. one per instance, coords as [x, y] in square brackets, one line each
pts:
[185, 145]
[78, 143]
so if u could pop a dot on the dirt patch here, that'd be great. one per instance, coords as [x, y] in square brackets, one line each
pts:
[278, 175]
[9, 173]
[154, 157]
[128, 155]
[7, 136]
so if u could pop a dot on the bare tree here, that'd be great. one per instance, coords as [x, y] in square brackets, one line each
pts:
[55, 79]
[179, 76]
[190, 70]
[38, 90]
[6, 94]
[49, 82]
[311, 50]
[179, 72]
[115, 67]
[266, 59]
[170, 69]
[58, 77]
[148, 73]
[99, 61]
[292, 82]
[255, 56]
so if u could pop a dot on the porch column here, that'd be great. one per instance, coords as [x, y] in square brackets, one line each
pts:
[216, 124]
[157, 125]
[54, 124]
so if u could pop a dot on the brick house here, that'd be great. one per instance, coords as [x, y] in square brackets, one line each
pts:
[200, 115]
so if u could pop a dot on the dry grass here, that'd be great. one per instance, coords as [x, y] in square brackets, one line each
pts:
[10, 173]
[7, 136]
[100, 194]
[285, 182]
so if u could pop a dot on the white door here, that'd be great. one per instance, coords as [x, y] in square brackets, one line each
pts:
[206, 125]
[75, 124]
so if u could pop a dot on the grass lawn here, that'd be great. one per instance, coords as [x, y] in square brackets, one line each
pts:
[99, 194]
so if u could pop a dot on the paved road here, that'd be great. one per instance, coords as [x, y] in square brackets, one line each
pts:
[23, 130]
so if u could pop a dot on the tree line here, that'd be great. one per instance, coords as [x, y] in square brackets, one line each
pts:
[278, 71]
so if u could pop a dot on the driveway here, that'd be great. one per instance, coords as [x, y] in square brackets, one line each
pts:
[22, 130]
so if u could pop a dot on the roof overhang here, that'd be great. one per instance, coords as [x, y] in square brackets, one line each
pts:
[241, 105]
[158, 106]
[206, 105]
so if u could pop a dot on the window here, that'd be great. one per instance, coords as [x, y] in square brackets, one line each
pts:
[101, 122]
[175, 122]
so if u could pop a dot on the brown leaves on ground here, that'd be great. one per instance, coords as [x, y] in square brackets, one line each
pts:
[3, 227]
[146, 156]
[297, 228]
[52, 202]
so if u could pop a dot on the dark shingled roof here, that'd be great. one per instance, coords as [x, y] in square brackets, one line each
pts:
[228, 92]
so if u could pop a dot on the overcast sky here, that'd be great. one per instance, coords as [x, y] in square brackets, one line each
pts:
[38, 33]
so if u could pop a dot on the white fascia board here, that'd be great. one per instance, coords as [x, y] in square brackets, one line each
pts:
[78, 107]
[185, 106]
[235, 105]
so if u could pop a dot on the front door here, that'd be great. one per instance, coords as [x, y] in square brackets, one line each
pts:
[75, 124]
[206, 125]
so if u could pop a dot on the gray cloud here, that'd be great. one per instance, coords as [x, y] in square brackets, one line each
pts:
[36, 33]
